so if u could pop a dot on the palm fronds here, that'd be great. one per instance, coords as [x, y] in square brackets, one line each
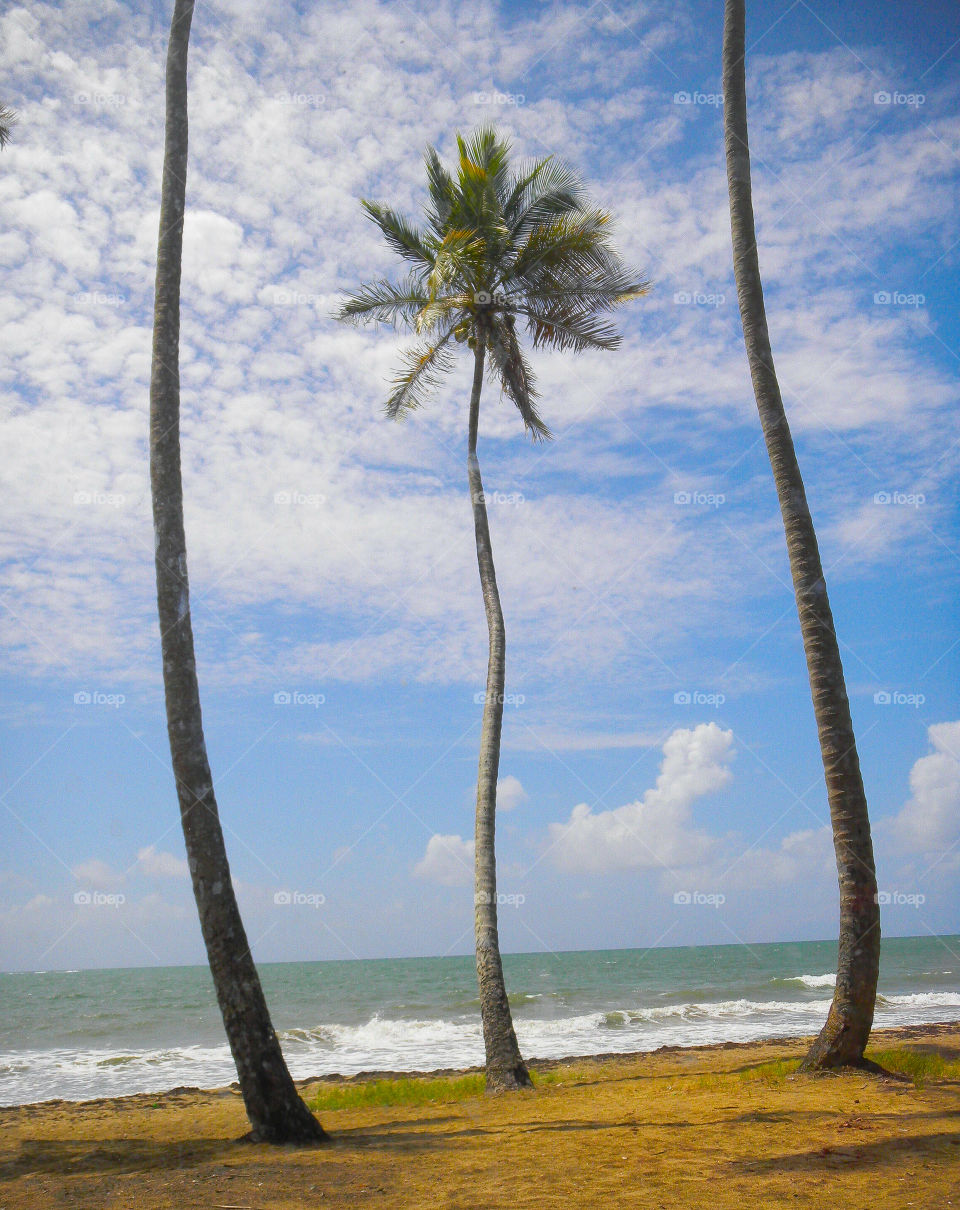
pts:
[498, 246]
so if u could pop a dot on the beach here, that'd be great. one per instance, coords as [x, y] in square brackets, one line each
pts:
[730, 1124]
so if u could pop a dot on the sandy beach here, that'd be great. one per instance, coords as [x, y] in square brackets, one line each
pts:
[724, 1125]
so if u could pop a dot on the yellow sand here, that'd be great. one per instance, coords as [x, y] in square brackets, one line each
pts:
[677, 1128]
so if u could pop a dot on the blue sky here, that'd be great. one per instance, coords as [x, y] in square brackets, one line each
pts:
[659, 738]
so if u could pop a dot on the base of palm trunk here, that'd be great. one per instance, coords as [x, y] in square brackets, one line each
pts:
[510, 1079]
[840, 1043]
[296, 1126]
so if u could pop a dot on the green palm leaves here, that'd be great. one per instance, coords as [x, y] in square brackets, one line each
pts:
[498, 248]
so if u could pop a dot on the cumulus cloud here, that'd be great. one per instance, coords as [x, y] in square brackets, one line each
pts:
[156, 863]
[97, 874]
[510, 793]
[655, 830]
[448, 860]
[930, 821]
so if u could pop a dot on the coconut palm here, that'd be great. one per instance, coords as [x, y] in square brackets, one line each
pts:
[276, 1112]
[8, 120]
[500, 249]
[842, 1040]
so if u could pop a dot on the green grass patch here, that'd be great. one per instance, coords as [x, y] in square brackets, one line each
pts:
[773, 1073]
[919, 1065]
[411, 1091]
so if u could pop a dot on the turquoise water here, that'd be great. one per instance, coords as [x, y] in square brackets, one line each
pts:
[85, 1034]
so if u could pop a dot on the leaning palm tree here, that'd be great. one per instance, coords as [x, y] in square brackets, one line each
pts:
[844, 1036]
[499, 247]
[276, 1112]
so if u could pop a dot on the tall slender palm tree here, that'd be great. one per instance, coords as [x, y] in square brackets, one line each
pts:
[276, 1112]
[842, 1040]
[499, 246]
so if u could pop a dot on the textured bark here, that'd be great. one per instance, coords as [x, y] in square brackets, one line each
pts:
[505, 1067]
[276, 1112]
[842, 1040]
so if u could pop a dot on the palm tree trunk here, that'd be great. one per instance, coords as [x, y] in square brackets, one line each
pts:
[843, 1038]
[505, 1066]
[276, 1112]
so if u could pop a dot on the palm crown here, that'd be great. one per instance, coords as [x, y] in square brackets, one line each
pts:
[498, 245]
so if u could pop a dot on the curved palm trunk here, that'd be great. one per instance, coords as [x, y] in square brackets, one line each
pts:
[276, 1112]
[505, 1066]
[844, 1036]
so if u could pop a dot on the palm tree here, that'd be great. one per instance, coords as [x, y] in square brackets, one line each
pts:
[844, 1036]
[8, 120]
[499, 246]
[276, 1112]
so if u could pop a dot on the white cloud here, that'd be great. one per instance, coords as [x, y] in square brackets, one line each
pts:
[510, 793]
[930, 821]
[655, 830]
[448, 860]
[156, 863]
[97, 874]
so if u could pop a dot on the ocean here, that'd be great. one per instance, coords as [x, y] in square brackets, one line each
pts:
[86, 1034]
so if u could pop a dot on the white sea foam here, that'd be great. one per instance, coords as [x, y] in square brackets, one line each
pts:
[812, 980]
[384, 1043]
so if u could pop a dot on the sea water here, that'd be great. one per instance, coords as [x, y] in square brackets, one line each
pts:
[85, 1034]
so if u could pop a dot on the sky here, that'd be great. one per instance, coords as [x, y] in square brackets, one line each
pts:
[660, 775]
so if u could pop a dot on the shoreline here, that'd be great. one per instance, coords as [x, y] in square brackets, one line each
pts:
[727, 1124]
[887, 1037]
